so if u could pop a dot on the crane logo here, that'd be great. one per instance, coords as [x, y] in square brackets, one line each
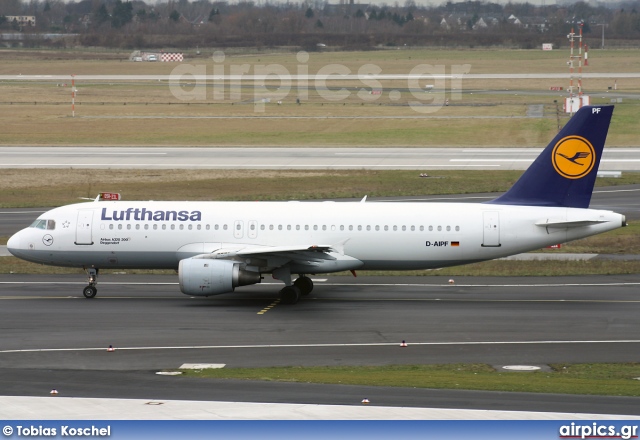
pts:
[573, 157]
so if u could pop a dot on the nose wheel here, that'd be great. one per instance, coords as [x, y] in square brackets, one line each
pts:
[90, 291]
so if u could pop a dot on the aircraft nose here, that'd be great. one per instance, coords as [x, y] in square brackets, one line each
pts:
[13, 245]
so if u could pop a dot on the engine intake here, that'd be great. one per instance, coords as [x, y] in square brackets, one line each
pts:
[204, 277]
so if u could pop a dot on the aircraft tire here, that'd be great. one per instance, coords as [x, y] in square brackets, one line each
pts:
[290, 295]
[304, 284]
[89, 292]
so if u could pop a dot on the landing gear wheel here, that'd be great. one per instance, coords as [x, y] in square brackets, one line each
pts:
[290, 295]
[89, 292]
[304, 284]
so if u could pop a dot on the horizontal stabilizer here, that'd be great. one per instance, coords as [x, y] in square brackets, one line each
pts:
[569, 224]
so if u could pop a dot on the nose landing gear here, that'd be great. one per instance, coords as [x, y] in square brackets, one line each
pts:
[90, 291]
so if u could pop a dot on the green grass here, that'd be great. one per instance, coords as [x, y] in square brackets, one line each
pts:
[50, 187]
[592, 379]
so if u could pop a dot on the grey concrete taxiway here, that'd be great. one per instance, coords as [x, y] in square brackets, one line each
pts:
[615, 159]
[53, 338]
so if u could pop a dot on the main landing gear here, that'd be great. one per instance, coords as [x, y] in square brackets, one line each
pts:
[90, 291]
[291, 294]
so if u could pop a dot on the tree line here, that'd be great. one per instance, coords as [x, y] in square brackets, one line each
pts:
[315, 24]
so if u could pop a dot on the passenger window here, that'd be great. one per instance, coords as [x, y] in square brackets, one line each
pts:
[422, 228]
[181, 227]
[120, 226]
[128, 226]
[111, 226]
[457, 228]
[430, 228]
[155, 226]
[145, 226]
[189, 227]
[137, 226]
[224, 227]
[448, 228]
[207, 227]
[173, 227]
[163, 227]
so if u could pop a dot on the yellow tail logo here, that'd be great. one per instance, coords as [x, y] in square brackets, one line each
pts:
[573, 157]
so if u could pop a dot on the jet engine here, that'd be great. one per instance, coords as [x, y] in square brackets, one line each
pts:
[204, 277]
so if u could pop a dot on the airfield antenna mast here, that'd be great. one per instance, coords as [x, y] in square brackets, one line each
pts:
[575, 58]
[73, 96]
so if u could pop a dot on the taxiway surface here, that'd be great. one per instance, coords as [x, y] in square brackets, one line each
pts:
[54, 338]
[625, 159]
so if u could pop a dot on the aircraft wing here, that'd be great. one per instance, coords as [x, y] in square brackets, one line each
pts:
[301, 258]
[279, 250]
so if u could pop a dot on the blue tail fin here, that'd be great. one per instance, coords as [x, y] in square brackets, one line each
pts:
[564, 173]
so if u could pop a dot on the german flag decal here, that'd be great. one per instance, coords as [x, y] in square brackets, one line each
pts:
[455, 243]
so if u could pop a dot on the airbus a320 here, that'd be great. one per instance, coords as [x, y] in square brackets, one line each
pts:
[218, 246]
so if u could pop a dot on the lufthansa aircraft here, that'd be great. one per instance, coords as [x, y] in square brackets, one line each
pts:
[218, 246]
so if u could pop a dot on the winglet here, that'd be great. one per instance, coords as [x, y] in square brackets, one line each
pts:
[364, 199]
[565, 172]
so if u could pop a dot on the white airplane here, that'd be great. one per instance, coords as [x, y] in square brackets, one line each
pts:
[218, 246]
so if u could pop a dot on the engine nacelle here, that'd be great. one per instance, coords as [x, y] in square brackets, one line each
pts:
[204, 277]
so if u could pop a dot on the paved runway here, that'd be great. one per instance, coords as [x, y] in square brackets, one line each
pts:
[53, 338]
[614, 159]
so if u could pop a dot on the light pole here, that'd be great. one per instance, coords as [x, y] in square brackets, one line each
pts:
[603, 25]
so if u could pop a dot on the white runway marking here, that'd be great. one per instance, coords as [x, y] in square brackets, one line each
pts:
[237, 165]
[370, 344]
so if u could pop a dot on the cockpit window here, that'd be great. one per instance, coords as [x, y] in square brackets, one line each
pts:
[44, 224]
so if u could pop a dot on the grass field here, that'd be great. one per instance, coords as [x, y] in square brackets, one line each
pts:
[151, 113]
[593, 379]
